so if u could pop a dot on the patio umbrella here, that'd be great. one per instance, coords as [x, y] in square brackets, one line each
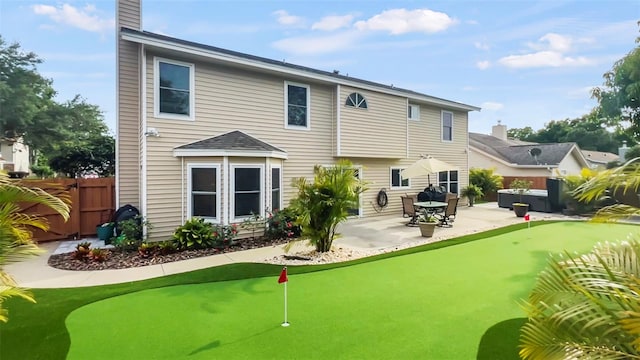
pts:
[426, 166]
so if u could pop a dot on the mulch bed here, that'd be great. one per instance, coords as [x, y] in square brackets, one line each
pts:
[118, 259]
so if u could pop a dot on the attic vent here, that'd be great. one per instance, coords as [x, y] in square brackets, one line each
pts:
[535, 152]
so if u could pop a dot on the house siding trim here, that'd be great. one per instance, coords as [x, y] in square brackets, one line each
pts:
[138, 37]
[338, 130]
[143, 147]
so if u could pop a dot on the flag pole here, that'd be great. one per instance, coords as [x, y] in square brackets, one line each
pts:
[285, 323]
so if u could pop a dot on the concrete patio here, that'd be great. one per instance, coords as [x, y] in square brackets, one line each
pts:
[370, 235]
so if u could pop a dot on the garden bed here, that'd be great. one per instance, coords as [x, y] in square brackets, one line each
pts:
[119, 259]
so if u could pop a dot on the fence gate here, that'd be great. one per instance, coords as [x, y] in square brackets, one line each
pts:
[92, 203]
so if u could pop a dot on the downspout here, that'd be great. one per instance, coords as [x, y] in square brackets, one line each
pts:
[143, 150]
[183, 191]
[338, 133]
[225, 191]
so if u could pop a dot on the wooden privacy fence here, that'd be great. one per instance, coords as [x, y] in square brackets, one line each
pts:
[537, 182]
[92, 203]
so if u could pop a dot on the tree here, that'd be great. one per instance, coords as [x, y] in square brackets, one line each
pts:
[23, 91]
[325, 203]
[525, 134]
[619, 97]
[586, 307]
[16, 239]
[632, 153]
[93, 155]
[485, 179]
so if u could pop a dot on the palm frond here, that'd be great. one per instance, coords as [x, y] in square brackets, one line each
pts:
[11, 291]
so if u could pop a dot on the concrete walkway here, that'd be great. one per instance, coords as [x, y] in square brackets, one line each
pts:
[371, 235]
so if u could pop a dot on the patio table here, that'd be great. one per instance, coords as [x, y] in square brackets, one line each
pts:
[432, 207]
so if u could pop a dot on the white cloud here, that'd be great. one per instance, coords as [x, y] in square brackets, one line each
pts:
[333, 22]
[85, 19]
[401, 21]
[491, 106]
[551, 51]
[313, 45]
[553, 42]
[481, 45]
[543, 59]
[483, 65]
[284, 18]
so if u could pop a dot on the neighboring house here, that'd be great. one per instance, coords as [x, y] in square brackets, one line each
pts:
[15, 156]
[517, 158]
[209, 132]
[599, 159]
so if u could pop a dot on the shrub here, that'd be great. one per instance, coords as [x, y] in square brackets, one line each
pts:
[485, 179]
[223, 235]
[99, 255]
[253, 223]
[166, 247]
[194, 234]
[82, 251]
[281, 224]
[132, 233]
[146, 249]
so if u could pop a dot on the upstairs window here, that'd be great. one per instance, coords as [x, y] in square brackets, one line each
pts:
[174, 89]
[447, 126]
[413, 112]
[357, 101]
[297, 101]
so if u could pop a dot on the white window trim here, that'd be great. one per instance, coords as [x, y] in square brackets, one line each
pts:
[399, 174]
[413, 113]
[271, 186]
[232, 190]
[156, 90]
[286, 106]
[357, 106]
[448, 182]
[190, 167]
[442, 125]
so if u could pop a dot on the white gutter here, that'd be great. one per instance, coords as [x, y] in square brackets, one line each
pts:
[338, 123]
[214, 55]
[143, 150]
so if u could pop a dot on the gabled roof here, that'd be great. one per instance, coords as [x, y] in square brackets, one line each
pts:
[520, 155]
[599, 157]
[211, 53]
[234, 143]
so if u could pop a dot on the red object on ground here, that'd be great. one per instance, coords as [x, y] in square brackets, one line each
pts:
[283, 276]
[527, 217]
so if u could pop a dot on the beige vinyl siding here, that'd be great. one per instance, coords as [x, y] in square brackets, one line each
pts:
[128, 131]
[376, 132]
[227, 100]
[425, 138]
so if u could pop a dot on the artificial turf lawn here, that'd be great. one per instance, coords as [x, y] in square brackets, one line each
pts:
[454, 302]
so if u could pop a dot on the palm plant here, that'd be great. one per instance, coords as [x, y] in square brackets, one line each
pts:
[325, 202]
[16, 238]
[625, 178]
[586, 307]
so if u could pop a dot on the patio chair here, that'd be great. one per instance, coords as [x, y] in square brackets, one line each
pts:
[448, 216]
[408, 210]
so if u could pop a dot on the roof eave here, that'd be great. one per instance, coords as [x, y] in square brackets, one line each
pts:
[141, 38]
[230, 153]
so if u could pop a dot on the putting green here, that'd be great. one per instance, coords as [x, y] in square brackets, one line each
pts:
[431, 305]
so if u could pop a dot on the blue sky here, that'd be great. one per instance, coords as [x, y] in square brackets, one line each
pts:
[523, 62]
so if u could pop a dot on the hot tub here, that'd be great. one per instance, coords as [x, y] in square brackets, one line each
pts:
[537, 199]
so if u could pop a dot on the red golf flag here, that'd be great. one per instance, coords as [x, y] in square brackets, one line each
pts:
[283, 276]
[527, 217]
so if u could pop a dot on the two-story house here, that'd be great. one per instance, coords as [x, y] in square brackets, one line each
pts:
[214, 133]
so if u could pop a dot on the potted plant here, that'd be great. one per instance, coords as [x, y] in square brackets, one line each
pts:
[427, 223]
[520, 186]
[472, 192]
